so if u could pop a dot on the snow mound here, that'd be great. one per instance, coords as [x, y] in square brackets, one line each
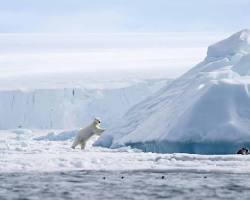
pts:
[63, 136]
[237, 43]
[206, 111]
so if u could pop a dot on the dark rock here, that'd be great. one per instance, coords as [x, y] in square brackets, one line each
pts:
[243, 151]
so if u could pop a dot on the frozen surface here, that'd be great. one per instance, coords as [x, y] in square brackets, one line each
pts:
[21, 152]
[204, 111]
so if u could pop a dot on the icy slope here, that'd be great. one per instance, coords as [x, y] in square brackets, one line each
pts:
[207, 110]
[71, 107]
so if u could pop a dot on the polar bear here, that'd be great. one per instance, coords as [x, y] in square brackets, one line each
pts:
[85, 134]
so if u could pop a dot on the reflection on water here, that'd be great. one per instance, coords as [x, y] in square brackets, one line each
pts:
[124, 185]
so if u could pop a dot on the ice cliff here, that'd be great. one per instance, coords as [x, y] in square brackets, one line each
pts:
[70, 108]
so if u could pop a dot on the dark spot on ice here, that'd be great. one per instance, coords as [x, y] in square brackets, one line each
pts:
[104, 178]
[162, 177]
[205, 177]
[122, 177]
[65, 193]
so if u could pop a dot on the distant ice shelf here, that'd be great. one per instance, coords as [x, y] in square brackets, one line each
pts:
[72, 107]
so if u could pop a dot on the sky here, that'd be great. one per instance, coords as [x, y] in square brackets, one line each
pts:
[123, 15]
[158, 38]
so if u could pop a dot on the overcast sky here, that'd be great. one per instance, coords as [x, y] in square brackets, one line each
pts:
[123, 15]
[162, 37]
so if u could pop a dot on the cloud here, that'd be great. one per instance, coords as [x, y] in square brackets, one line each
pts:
[174, 53]
[123, 15]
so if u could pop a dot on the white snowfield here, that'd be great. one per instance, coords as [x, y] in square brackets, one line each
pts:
[21, 152]
[207, 110]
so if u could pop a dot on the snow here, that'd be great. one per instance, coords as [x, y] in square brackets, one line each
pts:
[204, 111]
[20, 152]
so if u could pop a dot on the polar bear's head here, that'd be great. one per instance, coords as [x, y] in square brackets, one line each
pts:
[97, 121]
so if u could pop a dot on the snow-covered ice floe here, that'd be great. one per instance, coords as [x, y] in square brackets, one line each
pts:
[205, 111]
[20, 151]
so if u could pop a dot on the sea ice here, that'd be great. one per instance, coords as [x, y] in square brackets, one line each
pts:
[27, 155]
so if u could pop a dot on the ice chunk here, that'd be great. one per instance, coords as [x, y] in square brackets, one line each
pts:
[237, 43]
[243, 66]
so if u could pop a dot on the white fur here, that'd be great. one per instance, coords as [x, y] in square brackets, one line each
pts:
[85, 133]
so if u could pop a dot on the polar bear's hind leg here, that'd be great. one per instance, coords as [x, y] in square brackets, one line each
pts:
[83, 144]
[75, 143]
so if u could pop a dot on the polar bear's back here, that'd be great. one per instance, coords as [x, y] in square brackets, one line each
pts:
[85, 133]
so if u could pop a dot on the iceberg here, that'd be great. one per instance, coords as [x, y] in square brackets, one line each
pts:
[205, 111]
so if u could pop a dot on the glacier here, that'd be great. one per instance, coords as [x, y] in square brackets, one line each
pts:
[37, 105]
[205, 111]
